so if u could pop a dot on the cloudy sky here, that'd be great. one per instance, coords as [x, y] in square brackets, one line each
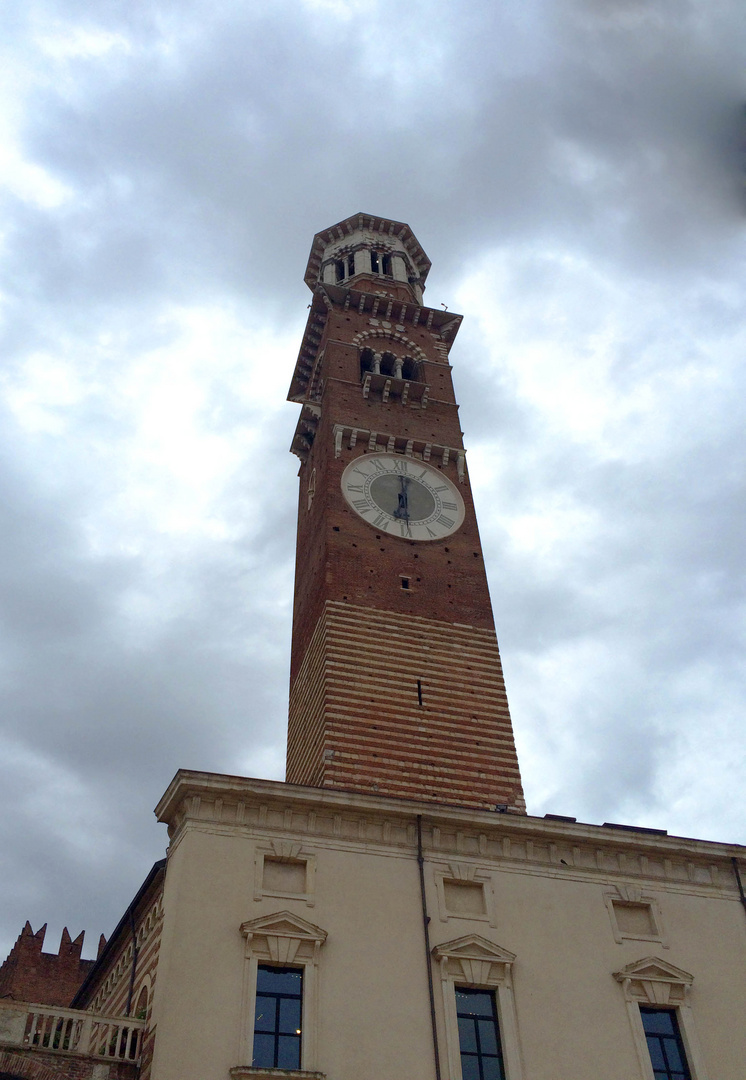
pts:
[575, 171]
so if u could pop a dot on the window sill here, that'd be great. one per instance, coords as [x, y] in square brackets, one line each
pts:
[239, 1072]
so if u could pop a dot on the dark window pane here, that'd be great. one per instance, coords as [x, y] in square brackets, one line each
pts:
[492, 1069]
[264, 1017]
[470, 1067]
[487, 1036]
[289, 1015]
[664, 1043]
[673, 1055]
[288, 1052]
[278, 1018]
[279, 980]
[264, 1051]
[656, 1053]
[467, 1035]
[479, 1037]
[474, 1002]
[658, 1021]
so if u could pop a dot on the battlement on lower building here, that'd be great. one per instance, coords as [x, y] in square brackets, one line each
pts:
[29, 974]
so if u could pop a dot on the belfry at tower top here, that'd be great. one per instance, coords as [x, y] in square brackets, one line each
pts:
[367, 244]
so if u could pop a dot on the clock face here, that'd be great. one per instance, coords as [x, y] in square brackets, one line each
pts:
[403, 497]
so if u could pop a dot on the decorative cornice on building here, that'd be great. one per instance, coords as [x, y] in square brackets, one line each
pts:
[516, 842]
[398, 314]
[361, 222]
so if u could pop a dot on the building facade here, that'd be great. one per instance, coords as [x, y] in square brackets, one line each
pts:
[392, 911]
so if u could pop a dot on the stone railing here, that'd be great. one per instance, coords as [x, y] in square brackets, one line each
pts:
[47, 1027]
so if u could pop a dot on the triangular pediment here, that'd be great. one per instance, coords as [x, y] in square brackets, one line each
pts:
[652, 968]
[473, 947]
[284, 924]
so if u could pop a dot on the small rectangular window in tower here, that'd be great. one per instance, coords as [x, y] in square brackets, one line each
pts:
[665, 1044]
[277, 1019]
[478, 1035]
[404, 582]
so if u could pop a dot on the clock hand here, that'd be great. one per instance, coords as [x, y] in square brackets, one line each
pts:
[402, 511]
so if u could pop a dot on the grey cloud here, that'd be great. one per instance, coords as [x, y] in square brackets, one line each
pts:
[596, 150]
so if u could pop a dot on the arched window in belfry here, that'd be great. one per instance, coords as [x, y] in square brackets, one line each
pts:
[388, 364]
[367, 362]
[386, 265]
[339, 269]
[375, 262]
[410, 369]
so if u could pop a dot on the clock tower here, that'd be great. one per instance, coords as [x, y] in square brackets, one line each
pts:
[396, 685]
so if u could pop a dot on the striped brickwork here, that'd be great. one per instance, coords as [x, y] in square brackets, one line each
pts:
[360, 721]
[109, 993]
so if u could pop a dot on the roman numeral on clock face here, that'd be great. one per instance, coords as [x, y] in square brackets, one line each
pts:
[402, 496]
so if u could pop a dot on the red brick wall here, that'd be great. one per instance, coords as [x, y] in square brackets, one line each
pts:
[28, 974]
[360, 641]
[32, 1064]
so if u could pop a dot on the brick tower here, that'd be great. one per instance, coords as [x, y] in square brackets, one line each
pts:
[396, 685]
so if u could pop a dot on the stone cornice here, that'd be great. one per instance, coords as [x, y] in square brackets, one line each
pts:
[375, 224]
[398, 312]
[222, 803]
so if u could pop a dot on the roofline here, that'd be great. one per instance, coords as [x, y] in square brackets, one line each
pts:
[612, 835]
[158, 869]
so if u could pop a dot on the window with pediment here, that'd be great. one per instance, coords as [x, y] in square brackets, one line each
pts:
[481, 1027]
[280, 985]
[657, 996]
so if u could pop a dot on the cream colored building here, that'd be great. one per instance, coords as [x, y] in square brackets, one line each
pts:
[572, 927]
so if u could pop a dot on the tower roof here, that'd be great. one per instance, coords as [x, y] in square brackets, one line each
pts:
[370, 223]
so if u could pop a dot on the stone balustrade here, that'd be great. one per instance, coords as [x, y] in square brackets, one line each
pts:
[51, 1028]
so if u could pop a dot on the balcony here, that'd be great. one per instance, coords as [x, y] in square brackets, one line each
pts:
[51, 1032]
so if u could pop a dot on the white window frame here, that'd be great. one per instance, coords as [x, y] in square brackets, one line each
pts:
[286, 940]
[475, 962]
[654, 982]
